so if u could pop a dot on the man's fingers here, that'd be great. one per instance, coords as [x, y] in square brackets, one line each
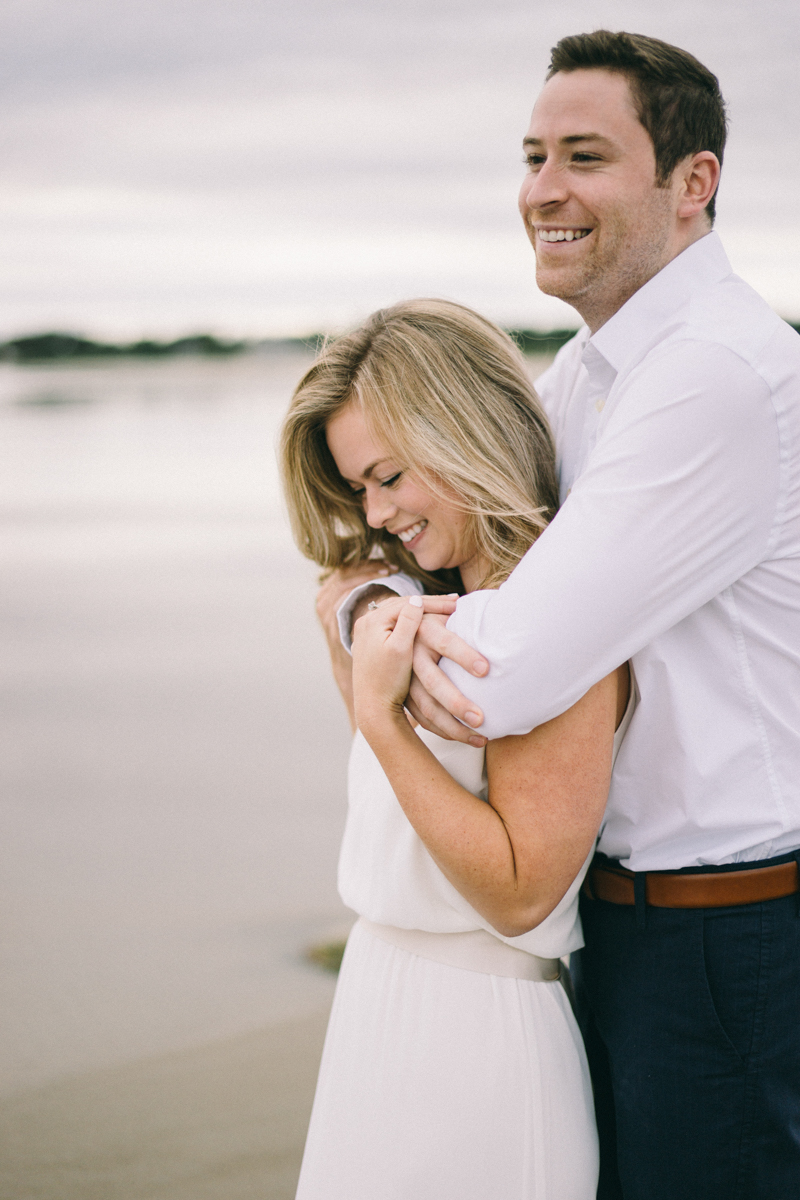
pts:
[445, 644]
[445, 694]
[435, 719]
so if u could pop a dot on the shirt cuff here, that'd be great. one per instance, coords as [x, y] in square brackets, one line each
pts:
[402, 584]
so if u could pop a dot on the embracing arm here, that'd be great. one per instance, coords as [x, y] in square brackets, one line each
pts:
[514, 858]
[678, 501]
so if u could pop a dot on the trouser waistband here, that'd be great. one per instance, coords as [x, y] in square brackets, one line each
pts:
[714, 887]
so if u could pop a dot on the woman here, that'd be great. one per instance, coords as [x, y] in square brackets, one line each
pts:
[453, 1067]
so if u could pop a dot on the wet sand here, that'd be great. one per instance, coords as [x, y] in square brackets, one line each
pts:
[226, 1121]
[172, 764]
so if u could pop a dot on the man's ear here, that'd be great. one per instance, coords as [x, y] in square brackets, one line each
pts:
[697, 178]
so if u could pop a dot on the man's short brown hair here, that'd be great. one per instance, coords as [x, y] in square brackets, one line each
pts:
[677, 99]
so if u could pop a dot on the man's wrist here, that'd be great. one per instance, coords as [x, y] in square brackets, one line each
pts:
[400, 584]
[373, 595]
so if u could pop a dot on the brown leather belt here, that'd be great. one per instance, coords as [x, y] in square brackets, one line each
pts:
[715, 890]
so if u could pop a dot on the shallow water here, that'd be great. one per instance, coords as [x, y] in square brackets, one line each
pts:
[173, 752]
[173, 757]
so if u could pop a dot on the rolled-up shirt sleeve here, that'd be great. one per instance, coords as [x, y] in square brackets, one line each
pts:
[678, 499]
[401, 584]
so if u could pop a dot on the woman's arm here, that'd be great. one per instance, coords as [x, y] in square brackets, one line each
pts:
[514, 858]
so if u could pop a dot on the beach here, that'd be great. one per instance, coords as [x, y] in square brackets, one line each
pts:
[224, 1121]
[169, 843]
[173, 759]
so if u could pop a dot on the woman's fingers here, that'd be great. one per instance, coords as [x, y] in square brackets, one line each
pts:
[402, 631]
[382, 649]
[407, 627]
[391, 604]
[407, 622]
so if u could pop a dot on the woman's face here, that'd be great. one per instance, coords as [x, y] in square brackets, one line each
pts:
[432, 529]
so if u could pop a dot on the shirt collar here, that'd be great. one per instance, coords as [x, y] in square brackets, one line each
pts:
[649, 310]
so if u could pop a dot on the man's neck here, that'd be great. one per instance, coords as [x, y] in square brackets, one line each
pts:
[596, 311]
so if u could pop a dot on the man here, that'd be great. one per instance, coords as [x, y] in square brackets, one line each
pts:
[676, 413]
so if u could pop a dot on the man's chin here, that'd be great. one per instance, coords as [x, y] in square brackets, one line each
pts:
[554, 283]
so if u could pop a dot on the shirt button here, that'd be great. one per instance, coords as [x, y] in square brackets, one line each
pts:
[600, 405]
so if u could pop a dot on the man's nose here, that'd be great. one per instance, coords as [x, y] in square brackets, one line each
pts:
[541, 189]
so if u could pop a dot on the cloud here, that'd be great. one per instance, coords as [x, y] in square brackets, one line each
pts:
[250, 165]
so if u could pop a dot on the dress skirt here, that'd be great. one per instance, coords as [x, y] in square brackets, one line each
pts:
[440, 1083]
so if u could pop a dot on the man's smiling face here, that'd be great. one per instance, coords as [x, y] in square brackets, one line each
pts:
[598, 223]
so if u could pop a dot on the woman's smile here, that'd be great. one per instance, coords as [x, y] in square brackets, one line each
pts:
[410, 537]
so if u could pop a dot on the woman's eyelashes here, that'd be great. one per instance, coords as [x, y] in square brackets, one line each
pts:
[360, 492]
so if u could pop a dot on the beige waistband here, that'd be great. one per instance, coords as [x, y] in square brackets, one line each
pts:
[475, 950]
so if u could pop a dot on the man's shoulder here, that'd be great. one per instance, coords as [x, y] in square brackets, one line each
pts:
[733, 315]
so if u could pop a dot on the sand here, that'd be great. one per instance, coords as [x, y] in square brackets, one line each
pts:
[226, 1121]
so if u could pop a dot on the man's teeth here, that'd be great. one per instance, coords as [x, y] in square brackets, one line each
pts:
[408, 535]
[563, 235]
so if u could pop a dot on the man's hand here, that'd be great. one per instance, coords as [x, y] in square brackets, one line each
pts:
[433, 700]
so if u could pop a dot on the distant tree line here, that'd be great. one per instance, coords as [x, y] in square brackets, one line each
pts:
[47, 347]
[41, 347]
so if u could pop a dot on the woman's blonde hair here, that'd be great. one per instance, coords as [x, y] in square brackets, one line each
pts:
[448, 394]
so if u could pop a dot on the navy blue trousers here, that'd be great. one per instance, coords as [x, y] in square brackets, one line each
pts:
[693, 1037]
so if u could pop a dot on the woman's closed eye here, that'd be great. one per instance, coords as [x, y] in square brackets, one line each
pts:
[392, 480]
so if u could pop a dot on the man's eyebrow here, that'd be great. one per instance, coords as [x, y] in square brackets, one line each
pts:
[570, 140]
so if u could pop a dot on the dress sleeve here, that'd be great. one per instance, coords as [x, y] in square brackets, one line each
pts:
[677, 501]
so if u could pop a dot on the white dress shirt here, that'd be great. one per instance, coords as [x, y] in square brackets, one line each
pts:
[677, 547]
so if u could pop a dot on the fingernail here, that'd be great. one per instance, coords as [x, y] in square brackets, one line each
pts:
[473, 718]
[477, 742]
[452, 595]
[479, 668]
[416, 601]
[383, 571]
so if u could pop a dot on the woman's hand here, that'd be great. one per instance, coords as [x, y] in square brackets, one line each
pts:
[338, 585]
[383, 647]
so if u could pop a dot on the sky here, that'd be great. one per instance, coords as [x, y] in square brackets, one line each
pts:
[254, 168]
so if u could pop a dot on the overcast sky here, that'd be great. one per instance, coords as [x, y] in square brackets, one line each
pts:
[253, 167]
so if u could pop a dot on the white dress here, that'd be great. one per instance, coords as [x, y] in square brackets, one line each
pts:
[449, 1072]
